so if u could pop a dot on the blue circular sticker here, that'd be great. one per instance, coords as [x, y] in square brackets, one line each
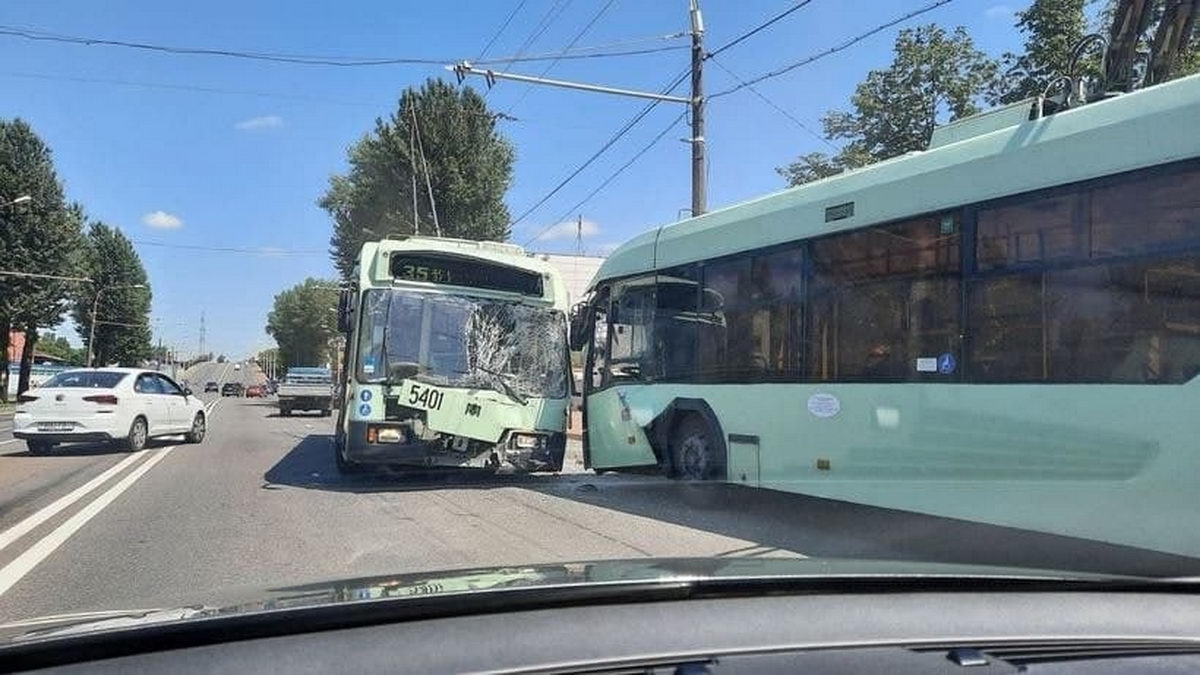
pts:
[946, 363]
[364, 409]
[365, 395]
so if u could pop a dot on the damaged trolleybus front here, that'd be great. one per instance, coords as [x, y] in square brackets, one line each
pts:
[456, 355]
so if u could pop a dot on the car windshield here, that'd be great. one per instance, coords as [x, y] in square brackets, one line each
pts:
[460, 289]
[460, 341]
[89, 379]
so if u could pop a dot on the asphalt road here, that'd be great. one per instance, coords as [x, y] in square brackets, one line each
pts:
[259, 504]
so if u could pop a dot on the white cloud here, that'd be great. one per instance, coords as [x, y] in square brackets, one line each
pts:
[605, 249]
[260, 123]
[568, 229]
[161, 220]
[998, 12]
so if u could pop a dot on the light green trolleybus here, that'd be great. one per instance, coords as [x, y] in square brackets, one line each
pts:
[1003, 328]
[456, 355]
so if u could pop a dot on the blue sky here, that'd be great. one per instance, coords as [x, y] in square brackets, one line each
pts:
[242, 167]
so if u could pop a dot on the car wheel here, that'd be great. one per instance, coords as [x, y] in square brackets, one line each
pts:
[695, 454]
[199, 428]
[285, 411]
[138, 434]
[39, 447]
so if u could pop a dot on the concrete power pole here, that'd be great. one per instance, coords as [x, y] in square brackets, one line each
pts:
[696, 100]
[201, 334]
[699, 168]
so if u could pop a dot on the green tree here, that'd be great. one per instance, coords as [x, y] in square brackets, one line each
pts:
[39, 236]
[59, 347]
[1052, 29]
[466, 159]
[935, 76]
[303, 322]
[123, 312]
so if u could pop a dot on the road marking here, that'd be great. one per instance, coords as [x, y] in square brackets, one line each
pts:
[13, 572]
[20, 529]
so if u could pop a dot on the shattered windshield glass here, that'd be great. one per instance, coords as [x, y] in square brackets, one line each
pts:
[460, 341]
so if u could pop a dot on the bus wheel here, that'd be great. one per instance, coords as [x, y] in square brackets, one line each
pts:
[345, 466]
[694, 452]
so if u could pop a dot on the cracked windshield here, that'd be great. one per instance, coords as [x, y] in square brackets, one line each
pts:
[333, 302]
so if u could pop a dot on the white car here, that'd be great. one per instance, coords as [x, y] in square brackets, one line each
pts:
[122, 405]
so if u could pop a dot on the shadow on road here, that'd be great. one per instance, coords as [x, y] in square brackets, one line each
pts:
[778, 523]
[85, 449]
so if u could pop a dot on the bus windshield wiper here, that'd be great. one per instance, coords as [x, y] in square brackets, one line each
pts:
[507, 388]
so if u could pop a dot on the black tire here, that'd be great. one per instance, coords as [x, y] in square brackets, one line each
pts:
[138, 434]
[695, 452]
[199, 429]
[325, 412]
[285, 411]
[39, 447]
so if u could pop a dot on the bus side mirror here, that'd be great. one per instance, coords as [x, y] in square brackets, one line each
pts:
[345, 311]
[580, 329]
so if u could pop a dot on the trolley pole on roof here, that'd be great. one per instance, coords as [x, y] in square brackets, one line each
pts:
[696, 101]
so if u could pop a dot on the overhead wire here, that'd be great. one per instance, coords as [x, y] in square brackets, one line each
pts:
[611, 177]
[778, 108]
[832, 50]
[620, 133]
[579, 35]
[759, 28]
[588, 52]
[266, 252]
[491, 41]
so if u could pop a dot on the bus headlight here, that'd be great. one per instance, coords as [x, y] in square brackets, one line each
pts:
[527, 441]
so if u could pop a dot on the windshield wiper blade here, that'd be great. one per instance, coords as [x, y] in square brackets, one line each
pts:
[508, 389]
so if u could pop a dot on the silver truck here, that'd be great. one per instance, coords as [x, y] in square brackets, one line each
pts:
[306, 389]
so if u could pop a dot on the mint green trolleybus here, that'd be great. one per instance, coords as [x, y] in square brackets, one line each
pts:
[1003, 328]
[456, 356]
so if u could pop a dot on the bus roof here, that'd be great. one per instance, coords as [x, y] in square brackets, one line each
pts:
[373, 273]
[970, 161]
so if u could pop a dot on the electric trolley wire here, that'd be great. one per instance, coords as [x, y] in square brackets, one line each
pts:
[754, 31]
[832, 50]
[778, 108]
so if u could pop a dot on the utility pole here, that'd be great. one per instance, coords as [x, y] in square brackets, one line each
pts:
[579, 235]
[201, 334]
[696, 100]
[699, 174]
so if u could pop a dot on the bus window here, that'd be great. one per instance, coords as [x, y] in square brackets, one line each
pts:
[678, 320]
[631, 320]
[1155, 213]
[884, 303]
[598, 351]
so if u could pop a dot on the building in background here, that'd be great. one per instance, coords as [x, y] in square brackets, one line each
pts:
[577, 271]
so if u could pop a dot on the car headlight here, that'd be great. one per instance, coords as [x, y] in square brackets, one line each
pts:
[527, 441]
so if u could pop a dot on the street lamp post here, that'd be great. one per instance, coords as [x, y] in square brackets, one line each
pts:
[95, 307]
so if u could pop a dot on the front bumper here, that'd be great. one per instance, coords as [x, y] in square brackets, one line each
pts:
[65, 436]
[432, 454]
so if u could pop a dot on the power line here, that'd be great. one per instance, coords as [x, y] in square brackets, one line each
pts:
[583, 31]
[591, 52]
[603, 148]
[483, 52]
[754, 90]
[832, 50]
[611, 177]
[762, 26]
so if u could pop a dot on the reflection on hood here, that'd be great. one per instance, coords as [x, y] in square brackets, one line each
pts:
[635, 572]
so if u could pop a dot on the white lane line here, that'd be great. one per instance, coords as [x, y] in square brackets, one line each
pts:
[13, 572]
[20, 529]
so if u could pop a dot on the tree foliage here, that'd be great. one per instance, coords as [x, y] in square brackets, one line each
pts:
[122, 313]
[303, 322]
[39, 236]
[935, 76]
[1052, 29]
[469, 170]
[59, 347]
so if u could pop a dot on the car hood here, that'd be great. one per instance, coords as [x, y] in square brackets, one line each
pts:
[593, 574]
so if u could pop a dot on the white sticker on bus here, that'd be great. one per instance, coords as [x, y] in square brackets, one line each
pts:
[824, 405]
[927, 364]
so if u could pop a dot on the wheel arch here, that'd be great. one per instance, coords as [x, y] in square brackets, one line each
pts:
[660, 428]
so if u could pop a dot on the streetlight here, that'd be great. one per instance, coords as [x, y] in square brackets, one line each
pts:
[19, 200]
[95, 306]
